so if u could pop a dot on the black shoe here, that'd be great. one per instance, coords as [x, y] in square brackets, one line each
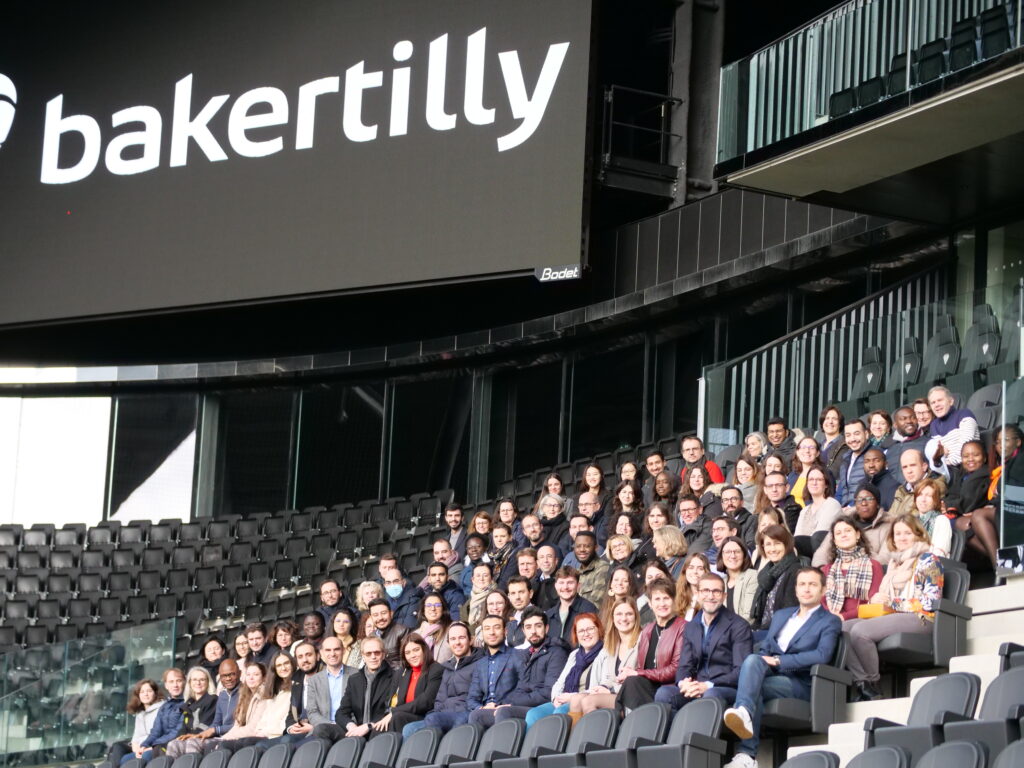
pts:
[869, 691]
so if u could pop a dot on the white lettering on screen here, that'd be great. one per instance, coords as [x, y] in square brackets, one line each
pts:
[267, 107]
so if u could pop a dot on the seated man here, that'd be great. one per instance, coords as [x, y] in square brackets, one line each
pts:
[722, 528]
[367, 697]
[404, 598]
[798, 639]
[877, 472]
[520, 594]
[496, 675]
[695, 525]
[593, 569]
[438, 579]
[321, 695]
[541, 664]
[715, 643]
[562, 615]
[224, 715]
[450, 705]
[388, 630]
[746, 523]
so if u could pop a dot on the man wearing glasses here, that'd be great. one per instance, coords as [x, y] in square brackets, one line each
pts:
[715, 644]
[695, 525]
[367, 696]
[746, 523]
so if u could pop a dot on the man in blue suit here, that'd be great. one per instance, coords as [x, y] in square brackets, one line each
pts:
[798, 639]
[497, 674]
[715, 643]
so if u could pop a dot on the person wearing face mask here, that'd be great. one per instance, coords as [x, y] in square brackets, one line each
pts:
[403, 597]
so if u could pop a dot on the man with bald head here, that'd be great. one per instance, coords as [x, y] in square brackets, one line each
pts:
[915, 469]
[223, 717]
[323, 692]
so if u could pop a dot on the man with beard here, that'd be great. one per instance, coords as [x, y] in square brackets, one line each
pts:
[519, 595]
[437, 581]
[851, 472]
[322, 693]
[496, 675]
[331, 601]
[746, 523]
[539, 668]
[593, 570]
[403, 598]
[877, 473]
[780, 439]
[456, 532]
[692, 451]
[388, 630]
[909, 435]
[776, 488]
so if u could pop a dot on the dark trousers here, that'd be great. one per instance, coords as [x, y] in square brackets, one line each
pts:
[635, 692]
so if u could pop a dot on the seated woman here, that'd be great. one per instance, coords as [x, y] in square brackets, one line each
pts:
[620, 552]
[502, 551]
[240, 650]
[910, 590]
[755, 445]
[593, 481]
[345, 628]
[694, 568]
[630, 470]
[197, 710]
[576, 677]
[284, 634]
[553, 486]
[480, 523]
[366, 593]
[248, 710]
[417, 687]
[776, 581]
[657, 652]
[496, 604]
[666, 489]
[852, 577]
[833, 440]
[765, 518]
[820, 509]
[967, 497]
[658, 516]
[509, 515]
[434, 626]
[670, 548]
[929, 510]
[706, 493]
[621, 640]
[623, 584]
[473, 610]
[313, 628]
[740, 576]
[277, 698]
[144, 702]
[211, 655]
[628, 499]
[808, 455]
[748, 477]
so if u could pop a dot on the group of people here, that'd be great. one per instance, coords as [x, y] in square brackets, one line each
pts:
[686, 580]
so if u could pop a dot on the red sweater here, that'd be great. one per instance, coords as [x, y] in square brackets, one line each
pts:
[414, 678]
[850, 604]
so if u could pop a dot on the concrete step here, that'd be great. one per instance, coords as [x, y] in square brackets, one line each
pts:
[978, 646]
[1005, 622]
[984, 665]
[1008, 597]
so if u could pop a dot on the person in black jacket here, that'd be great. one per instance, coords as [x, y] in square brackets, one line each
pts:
[404, 598]
[877, 471]
[417, 687]
[368, 694]
[199, 705]
[777, 492]
[449, 708]
[776, 582]
[562, 615]
[967, 497]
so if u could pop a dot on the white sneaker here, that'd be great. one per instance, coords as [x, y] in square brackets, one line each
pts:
[741, 760]
[737, 720]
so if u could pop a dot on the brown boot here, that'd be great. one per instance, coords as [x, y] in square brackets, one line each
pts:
[575, 718]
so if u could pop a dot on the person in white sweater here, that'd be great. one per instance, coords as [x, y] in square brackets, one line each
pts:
[143, 702]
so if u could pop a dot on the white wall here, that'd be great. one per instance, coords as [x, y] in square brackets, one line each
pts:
[53, 459]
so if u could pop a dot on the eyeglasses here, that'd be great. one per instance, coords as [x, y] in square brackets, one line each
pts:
[373, 653]
[586, 630]
[774, 485]
[711, 592]
[432, 605]
[865, 499]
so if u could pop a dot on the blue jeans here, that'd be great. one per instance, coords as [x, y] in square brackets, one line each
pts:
[669, 694]
[146, 756]
[543, 710]
[443, 721]
[759, 683]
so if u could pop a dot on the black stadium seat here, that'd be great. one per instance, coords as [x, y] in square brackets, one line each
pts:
[459, 745]
[954, 695]
[644, 726]
[345, 752]
[277, 756]
[418, 748]
[815, 759]
[998, 721]
[380, 750]
[956, 754]
[311, 754]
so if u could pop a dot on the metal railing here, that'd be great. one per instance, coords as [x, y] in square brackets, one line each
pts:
[787, 87]
[637, 125]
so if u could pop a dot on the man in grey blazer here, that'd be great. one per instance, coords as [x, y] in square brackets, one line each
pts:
[323, 695]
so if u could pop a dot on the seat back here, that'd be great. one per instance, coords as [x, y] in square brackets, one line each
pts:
[344, 753]
[551, 732]
[460, 742]
[1012, 756]
[1003, 694]
[186, 761]
[421, 746]
[597, 727]
[957, 545]
[648, 722]
[956, 692]
[505, 737]
[246, 757]
[955, 754]
[886, 756]
[161, 762]
[703, 716]
[907, 368]
[278, 756]
[218, 759]
[381, 749]
[869, 378]
[943, 354]
[816, 759]
[311, 754]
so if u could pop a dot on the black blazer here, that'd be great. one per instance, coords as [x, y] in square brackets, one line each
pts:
[351, 708]
[426, 690]
[197, 714]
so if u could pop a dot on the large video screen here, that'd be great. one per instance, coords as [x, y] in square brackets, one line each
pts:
[168, 155]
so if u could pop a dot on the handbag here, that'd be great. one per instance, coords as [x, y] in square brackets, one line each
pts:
[872, 610]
